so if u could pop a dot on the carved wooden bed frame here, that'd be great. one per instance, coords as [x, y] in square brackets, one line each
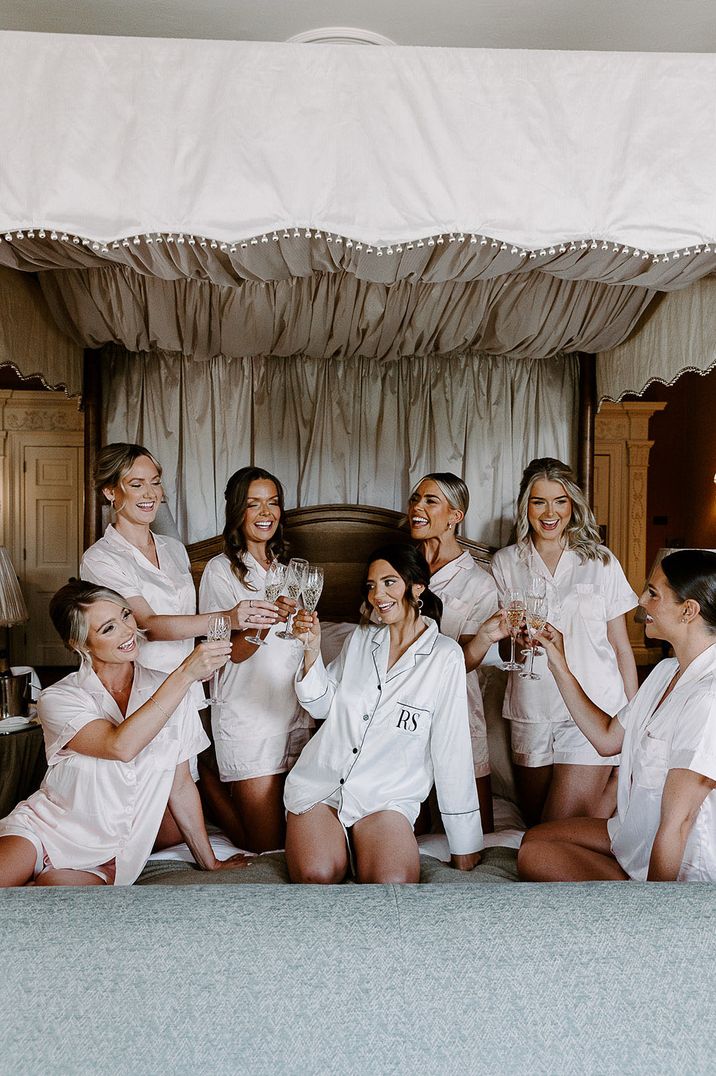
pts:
[339, 537]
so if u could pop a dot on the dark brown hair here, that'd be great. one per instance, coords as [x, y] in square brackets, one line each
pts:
[237, 499]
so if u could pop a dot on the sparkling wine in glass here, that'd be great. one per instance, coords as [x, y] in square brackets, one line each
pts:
[273, 584]
[294, 585]
[536, 588]
[312, 587]
[219, 631]
[535, 619]
[513, 602]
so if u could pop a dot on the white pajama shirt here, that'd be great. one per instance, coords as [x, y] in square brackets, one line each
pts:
[389, 733]
[679, 734]
[260, 728]
[469, 597]
[89, 811]
[582, 597]
[169, 589]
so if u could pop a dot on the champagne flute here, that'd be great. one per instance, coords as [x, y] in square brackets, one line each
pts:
[536, 588]
[219, 631]
[312, 587]
[294, 584]
[273, 584]
[535, 618]
[513, 602]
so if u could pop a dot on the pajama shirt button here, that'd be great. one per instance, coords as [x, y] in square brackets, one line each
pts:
[366, 717]
[342, 781]
[355, 750]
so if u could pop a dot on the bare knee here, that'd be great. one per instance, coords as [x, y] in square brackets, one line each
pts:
[531, 857]
[317, 873]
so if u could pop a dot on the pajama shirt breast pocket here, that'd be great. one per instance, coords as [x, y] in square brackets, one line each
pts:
[652, 765]
[413, 721]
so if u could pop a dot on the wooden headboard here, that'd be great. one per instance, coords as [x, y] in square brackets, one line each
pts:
[339, 537]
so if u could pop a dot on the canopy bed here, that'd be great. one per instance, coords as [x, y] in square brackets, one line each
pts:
[352, 265]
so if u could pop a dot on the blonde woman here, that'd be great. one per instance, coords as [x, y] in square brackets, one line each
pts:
[558, 772]
[118, 738]
[152, 571]
[437, 506]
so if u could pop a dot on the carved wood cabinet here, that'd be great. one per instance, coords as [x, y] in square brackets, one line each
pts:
[621, 462]
[41, 493]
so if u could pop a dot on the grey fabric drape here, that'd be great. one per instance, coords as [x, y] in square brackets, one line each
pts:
[355, 430]
[338, 315]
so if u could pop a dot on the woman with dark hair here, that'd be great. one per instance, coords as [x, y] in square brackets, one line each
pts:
[557, 771]
[259, 727]
[118, 738]
[664, 827]
[394, 712]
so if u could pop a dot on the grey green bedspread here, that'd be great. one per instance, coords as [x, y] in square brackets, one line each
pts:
[277, 980]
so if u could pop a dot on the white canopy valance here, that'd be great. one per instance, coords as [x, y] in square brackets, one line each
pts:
[111, 137]
[244, 199]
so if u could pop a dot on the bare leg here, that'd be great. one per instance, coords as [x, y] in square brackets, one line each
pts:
[258, 801]
[385, 849]
[570, 850]
[484, 795]
[579, 792]
[17, 861]
[316, 849]
[169, 833]
[65, 876]
[219, 806]
[532, 783]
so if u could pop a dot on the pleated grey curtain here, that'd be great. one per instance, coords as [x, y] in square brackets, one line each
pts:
[357, 430]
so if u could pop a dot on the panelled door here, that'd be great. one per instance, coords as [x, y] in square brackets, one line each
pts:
[52, 499]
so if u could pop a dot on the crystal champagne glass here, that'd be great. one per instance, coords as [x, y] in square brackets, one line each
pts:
[312, 587]
[273, 584]
[535, 619]
[513, 602]
[294, 584]
[219, 631]
[536, 588]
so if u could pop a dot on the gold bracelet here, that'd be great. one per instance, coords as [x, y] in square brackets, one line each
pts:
[159, 706]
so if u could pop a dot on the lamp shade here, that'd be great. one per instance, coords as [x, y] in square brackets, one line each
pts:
[12, 604]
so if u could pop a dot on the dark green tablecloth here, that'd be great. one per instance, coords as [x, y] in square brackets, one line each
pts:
[22, 766]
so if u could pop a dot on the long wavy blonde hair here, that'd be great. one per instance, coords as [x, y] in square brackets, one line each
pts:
[581, 533]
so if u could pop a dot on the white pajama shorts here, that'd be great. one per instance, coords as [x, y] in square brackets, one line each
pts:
[546, 743]
[241, 759]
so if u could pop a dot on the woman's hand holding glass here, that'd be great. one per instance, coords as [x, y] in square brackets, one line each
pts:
[206, 659]
[273, 585]
[253, 613]
[308, 626]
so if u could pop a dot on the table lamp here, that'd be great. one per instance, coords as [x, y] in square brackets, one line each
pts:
[12, 605]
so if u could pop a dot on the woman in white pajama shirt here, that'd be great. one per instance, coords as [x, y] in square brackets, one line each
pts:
[152, 571]
[436, 508]
[664, 827]
[394, 707]
[118, 739]
[557, 771]
[260, 727]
